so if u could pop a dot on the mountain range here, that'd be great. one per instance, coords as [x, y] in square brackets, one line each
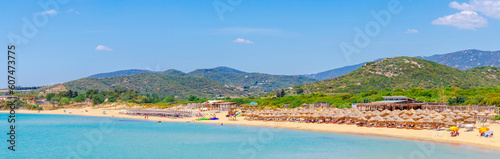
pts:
[161, 84]
[460, 69]
[463, 60]
[229, 76]
[467, 59]
[405, 73]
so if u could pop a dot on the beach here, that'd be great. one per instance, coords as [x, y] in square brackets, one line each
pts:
[469, 138]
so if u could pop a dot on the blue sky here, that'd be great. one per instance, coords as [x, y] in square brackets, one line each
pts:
[81, 38]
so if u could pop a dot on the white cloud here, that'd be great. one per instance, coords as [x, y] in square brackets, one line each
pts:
[490, 8]
[50, 12]
[411, 31]
[463, 20]
[240, 40]
[73, 11]
[103, 48]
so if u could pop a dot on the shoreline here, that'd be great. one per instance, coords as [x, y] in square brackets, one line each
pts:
[467, 138]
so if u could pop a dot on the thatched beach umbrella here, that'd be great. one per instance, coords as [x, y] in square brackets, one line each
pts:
[381, 120]
[481, 114]
[450, 124]
[389, 120]
[372, 119]
[438, 121]
[445, 113]
[438, 118]
[363, 119]
[432, 115]
[404, 116]
[409, 120]
[400, 120]
[470, 121]
[415, 117]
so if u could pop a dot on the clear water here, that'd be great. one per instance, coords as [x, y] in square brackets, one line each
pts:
[60, 136]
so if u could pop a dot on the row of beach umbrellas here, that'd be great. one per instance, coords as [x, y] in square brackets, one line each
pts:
[446, 117]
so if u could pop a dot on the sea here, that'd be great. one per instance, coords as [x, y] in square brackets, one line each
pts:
[71, 136]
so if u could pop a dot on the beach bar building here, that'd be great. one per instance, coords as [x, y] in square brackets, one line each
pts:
[218, 105]
[405, 103]
[226, 106]
[391, 103]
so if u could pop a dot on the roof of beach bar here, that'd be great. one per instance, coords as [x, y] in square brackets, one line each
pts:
[392, 100]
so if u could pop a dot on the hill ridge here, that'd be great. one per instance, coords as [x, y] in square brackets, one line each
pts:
[404, 73]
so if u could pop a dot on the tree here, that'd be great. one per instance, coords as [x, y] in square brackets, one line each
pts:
[91, 92]
[97, 99]
[296, 103]
[154, 98]
[127, 97]
[145, 99]
[457, 100]
[239, 101]
[112, 98]
[367, 100]
[80, 98]
[65, 93]
[119, 90]
[74, 94]
[283, 93]
[299, 91]
[278, 93]
[54, 100]
[494, 101]
[193, 98]
[64, 100]
[49, 96]
[271, 95]
[169, 99]
[378, 98]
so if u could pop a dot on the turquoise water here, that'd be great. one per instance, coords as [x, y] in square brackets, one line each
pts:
[61, 136]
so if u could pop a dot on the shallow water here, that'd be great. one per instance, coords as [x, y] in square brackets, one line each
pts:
[62, 136]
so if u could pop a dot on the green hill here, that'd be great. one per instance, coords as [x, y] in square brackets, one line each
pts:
[462, 60]
[228, 70]
[228, 76]
[163, 85]
[259, 81]
[406, 73]
[174, 72]
[119, 73]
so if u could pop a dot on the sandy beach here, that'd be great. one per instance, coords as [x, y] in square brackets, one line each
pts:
[469, 138]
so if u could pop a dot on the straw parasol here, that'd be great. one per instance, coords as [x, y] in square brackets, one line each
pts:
[415, 117]
[470, 121]
[362, 119]
[409, 120]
